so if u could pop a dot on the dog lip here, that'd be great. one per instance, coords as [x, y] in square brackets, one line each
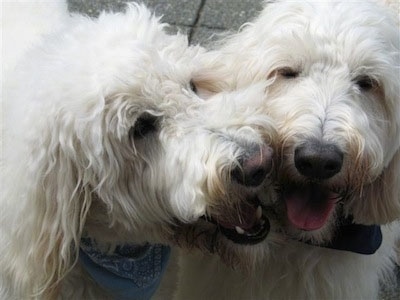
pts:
[252, 227]
[245, 215]
[250, 236]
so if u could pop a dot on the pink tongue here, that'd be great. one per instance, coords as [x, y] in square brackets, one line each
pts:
[305, 216]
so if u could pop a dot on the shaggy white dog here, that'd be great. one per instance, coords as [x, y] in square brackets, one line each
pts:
[333, 69]
[108, 149]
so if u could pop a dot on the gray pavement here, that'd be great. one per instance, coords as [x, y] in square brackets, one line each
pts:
[202, 21]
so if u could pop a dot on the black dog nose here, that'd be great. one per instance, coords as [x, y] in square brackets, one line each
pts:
[254, 167]
[318, 160]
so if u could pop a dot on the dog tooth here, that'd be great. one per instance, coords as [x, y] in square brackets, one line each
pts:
[239, 230]
[259, 212]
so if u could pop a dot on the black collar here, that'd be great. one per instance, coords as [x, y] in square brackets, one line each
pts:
[357, 238]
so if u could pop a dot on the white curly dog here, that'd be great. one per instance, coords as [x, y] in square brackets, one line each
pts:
[108, 151]
[333, 70]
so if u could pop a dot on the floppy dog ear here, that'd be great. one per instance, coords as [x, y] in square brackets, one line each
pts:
[58, 202]
[380, 200]
[214, 77]
[210, 82]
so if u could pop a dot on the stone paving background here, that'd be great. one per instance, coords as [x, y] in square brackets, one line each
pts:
[202, 21]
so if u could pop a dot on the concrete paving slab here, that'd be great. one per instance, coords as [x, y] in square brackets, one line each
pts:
[173, 29]
[182, 12]
[204, 36]
[230, 14]
[94, 7]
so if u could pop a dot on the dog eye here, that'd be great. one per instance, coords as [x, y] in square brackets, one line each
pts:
[192, 86]
[288, 73]
[366, 82]
[144, 125]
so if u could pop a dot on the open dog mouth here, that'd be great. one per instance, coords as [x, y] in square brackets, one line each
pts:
[249, 227]
[309, 206]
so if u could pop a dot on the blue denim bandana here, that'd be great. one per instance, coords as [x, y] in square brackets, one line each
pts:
[130, 272]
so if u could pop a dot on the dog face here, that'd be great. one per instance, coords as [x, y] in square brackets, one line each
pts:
[333, 90]
[111, 142]
[183, 158]
[131, 139]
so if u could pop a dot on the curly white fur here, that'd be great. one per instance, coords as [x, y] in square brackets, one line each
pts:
[104, 138]
[333, 73]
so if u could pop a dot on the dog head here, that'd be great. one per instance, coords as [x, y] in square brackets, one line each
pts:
[113, 143]
[332, 69]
